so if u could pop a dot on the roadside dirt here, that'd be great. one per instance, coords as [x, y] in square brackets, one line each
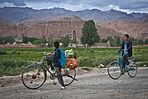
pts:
[12, 80]
[91, 84]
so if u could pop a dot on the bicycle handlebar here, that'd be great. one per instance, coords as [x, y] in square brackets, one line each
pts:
[118, 51]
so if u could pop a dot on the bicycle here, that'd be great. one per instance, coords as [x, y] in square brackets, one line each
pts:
[35, 74]
[115, 69]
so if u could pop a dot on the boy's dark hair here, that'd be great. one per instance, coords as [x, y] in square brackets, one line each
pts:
[126, 35]
[56, 44]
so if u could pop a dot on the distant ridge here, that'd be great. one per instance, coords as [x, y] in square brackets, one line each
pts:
[17, 14]
[57, 22]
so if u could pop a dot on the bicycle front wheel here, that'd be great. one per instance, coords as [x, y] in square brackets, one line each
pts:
[33, 76]
[132, 70]
[114, 70]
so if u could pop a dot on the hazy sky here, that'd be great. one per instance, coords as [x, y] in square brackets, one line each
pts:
[123, 5]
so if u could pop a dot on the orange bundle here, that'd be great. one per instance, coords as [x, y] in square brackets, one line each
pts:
[71, 63]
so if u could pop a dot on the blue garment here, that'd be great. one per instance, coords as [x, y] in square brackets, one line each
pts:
[129, 47]
[62, 59]
[125, 56]
[125, 48]
[56, 57]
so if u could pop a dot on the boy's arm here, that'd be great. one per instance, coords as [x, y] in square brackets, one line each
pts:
[130, 45]
[122, 46]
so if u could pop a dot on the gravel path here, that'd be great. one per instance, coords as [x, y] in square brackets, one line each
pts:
[94, 85]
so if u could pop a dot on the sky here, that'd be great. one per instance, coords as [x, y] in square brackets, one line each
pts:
[75, 5]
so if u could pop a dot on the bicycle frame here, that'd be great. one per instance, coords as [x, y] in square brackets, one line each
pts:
[118, 65]
[119, 59]
[42, 63]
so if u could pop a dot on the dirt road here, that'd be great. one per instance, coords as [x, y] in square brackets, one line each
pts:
[94, 85]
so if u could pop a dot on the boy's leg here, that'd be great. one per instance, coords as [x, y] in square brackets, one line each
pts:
[59, 76]
[49, 60]
[125, 60]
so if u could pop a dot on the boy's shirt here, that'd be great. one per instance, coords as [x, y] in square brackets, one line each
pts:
[56, 57]
[127, 46]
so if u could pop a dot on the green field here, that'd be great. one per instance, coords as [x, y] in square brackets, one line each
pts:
[13, 60]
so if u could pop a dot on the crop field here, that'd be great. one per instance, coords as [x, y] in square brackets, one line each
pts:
[13, 60]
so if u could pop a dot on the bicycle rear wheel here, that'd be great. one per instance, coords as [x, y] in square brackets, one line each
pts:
[132, 70]
[114, 70]
[69, 76]
[33, 76]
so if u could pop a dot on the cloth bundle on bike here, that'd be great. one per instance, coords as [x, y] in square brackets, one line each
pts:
[69, 53]
[71, 63]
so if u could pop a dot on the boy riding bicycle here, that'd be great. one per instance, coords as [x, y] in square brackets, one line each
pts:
[126, 47]
[125, 64]
[57, 65]
[58, 60]
[54, 58]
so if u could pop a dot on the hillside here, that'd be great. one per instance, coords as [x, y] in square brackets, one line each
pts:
[17, 14]
[57, 22]
[136, 29]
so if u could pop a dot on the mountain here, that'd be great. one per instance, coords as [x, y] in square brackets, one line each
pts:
[57, 22]
[17, 14]
[138, 15]
[114, 14]
[136, 29]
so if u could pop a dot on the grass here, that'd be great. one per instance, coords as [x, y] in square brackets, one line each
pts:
[13, 60]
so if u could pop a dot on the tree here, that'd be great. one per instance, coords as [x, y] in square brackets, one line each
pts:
[140, 42]
[26, 39]
[146, 41]
[112, 41]
[37, 42]
[34, 40]
[65, 40]
[89, 33]
[103, 41]
[50, 41]
[7, 39]
[118, 41]
[134, 41]
[43, 40]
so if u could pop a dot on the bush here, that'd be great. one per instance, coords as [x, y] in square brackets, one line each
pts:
[7, 39]
[65, 41]
[12, 61]
[2, 52]
[12, 67]
[37, 42]
[146, 41]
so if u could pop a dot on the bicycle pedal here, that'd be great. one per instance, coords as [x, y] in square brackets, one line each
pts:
[51, 77]
[76, 79]
[130, 69]
[122, 73]
[54, 83]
